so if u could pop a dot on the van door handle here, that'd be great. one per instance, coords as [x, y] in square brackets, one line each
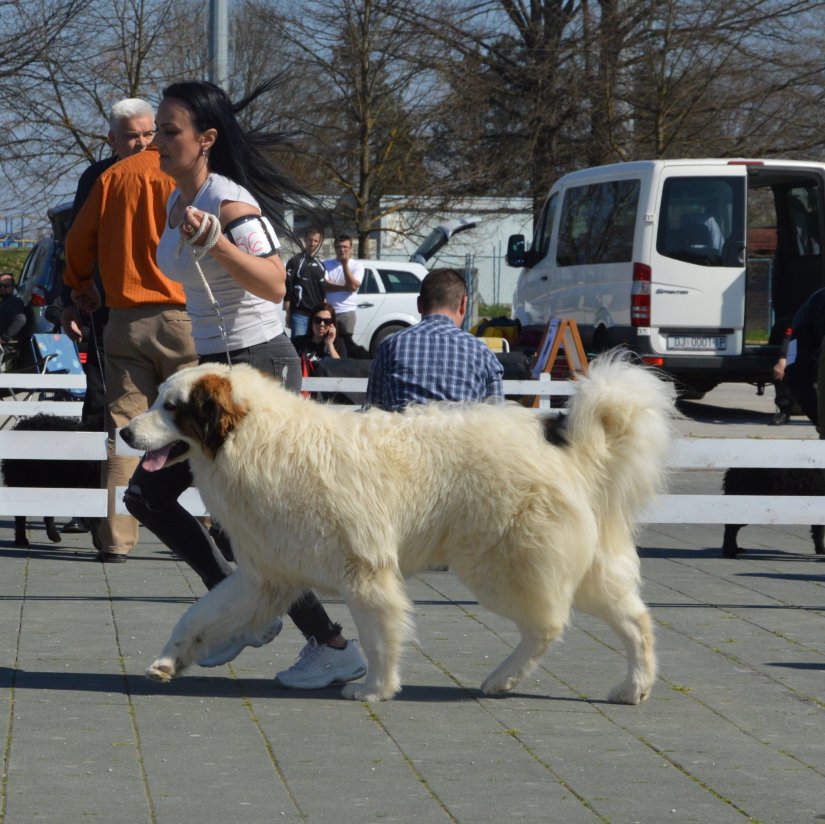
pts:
[365, 305]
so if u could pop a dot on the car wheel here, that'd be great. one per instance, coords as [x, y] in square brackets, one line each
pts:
[384, 332]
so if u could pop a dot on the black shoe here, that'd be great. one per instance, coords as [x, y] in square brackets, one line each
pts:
[780, 418]
[75, 525]
[112, 557]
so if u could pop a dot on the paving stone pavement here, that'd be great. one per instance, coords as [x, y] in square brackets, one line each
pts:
[733, 732]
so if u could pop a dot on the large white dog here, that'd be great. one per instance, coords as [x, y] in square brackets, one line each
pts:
[535, 518]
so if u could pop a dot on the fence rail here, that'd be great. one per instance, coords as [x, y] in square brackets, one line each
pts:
[687, 454]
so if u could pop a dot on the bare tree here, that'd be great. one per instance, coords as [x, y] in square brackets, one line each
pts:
[28, 30]
[748, 85]
[365, 103]
[539, 88]
[55, 107]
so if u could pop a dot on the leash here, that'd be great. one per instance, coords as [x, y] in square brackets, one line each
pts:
[96, 344]
[211, 225]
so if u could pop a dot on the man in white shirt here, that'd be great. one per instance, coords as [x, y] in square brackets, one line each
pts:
[343, 277]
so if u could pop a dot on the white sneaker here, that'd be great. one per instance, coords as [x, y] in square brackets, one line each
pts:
[231, 649]
[320, 665]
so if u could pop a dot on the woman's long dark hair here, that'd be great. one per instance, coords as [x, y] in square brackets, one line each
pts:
[240, 155]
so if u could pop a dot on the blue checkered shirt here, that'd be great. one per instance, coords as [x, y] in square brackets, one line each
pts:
[432, 361]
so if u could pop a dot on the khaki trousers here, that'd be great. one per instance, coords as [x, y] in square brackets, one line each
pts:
[143, 346]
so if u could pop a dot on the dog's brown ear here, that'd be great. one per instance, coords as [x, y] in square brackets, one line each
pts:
[210, 413]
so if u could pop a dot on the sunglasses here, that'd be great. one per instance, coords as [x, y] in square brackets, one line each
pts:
[323, 321]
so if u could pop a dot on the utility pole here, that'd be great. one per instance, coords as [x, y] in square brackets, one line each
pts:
[219, 43]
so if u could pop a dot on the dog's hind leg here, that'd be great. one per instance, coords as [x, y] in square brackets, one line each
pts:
[534, 643]
[818, 534]
[20, 538]
[239, 603]
[51, 530]
[629, 618]
[382, 612]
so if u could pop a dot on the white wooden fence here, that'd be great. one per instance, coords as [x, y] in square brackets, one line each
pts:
[688, 453]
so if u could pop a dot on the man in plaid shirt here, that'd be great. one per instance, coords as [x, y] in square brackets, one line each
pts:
[435, 360]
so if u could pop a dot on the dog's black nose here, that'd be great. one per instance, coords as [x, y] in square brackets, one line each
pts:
[127, 436]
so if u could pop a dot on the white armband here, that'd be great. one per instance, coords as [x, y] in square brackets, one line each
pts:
[254, 235]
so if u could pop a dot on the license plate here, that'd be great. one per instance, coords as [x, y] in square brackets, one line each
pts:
[696, 343]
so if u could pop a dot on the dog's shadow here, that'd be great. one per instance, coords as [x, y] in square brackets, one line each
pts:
[213, 686]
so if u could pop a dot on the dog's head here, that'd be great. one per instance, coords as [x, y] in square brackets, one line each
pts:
[193, 415]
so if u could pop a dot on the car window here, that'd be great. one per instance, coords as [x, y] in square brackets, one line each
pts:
[400, 280]
[803, 211]
[541, 239]
[698, 216]
[598, 222]
[33, 264]
[369, 285]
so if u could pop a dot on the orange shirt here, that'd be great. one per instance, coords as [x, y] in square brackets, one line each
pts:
[118, 229]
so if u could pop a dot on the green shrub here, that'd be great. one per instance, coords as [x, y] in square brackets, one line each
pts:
[494, 310]
[11, 260]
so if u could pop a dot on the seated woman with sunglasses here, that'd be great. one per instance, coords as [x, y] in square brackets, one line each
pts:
[322, 340]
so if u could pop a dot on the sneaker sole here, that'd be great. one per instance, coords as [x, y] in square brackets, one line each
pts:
[315, 685]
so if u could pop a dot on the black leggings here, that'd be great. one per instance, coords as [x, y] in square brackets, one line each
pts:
[152, 498]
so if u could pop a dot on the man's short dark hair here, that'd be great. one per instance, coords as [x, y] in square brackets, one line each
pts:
[4, 275]
[342, 238]
[442, 289]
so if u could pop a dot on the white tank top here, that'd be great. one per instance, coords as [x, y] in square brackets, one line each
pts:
[249, 320]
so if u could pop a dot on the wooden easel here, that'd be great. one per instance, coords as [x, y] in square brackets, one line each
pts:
[560, 334]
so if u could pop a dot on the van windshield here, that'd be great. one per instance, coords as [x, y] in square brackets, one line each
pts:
[702, 220]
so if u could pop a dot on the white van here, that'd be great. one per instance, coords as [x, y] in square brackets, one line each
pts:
[696, 265]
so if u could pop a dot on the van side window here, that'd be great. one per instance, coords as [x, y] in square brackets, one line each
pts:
[701, 220]
[541, 238]
[803, 212]
[598, 222]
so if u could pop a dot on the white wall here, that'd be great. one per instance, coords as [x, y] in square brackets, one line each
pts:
[485, 245]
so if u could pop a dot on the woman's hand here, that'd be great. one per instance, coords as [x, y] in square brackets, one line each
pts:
[329, 341]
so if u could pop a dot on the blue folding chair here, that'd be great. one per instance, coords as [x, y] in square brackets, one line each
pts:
[57, 354]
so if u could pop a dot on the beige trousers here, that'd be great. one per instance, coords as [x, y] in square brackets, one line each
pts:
[143, 346]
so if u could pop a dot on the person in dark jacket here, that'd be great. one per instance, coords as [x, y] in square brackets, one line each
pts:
[805, 352]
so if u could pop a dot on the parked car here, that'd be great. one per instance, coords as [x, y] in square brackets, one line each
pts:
[387, 300]
[41, 278]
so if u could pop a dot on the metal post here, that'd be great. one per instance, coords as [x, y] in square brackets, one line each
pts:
[218, 43]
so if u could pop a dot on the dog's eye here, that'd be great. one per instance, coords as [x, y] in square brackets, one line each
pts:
[169, 406]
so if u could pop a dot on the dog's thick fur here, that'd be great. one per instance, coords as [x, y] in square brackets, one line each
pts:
[317, 498]
[22, 472]
[792, 481]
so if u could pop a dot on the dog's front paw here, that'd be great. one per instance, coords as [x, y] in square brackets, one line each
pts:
[627, 692]
[498, 686]
[163, 670]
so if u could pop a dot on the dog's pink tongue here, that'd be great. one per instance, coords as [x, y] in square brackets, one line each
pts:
[156, 458]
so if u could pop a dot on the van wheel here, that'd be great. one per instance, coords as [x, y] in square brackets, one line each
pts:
[384, 332]
[599, 343]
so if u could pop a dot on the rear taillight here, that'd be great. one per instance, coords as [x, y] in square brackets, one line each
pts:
[38, 296]
[640, 295]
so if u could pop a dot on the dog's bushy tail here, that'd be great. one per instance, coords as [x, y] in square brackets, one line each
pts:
[620, 425]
